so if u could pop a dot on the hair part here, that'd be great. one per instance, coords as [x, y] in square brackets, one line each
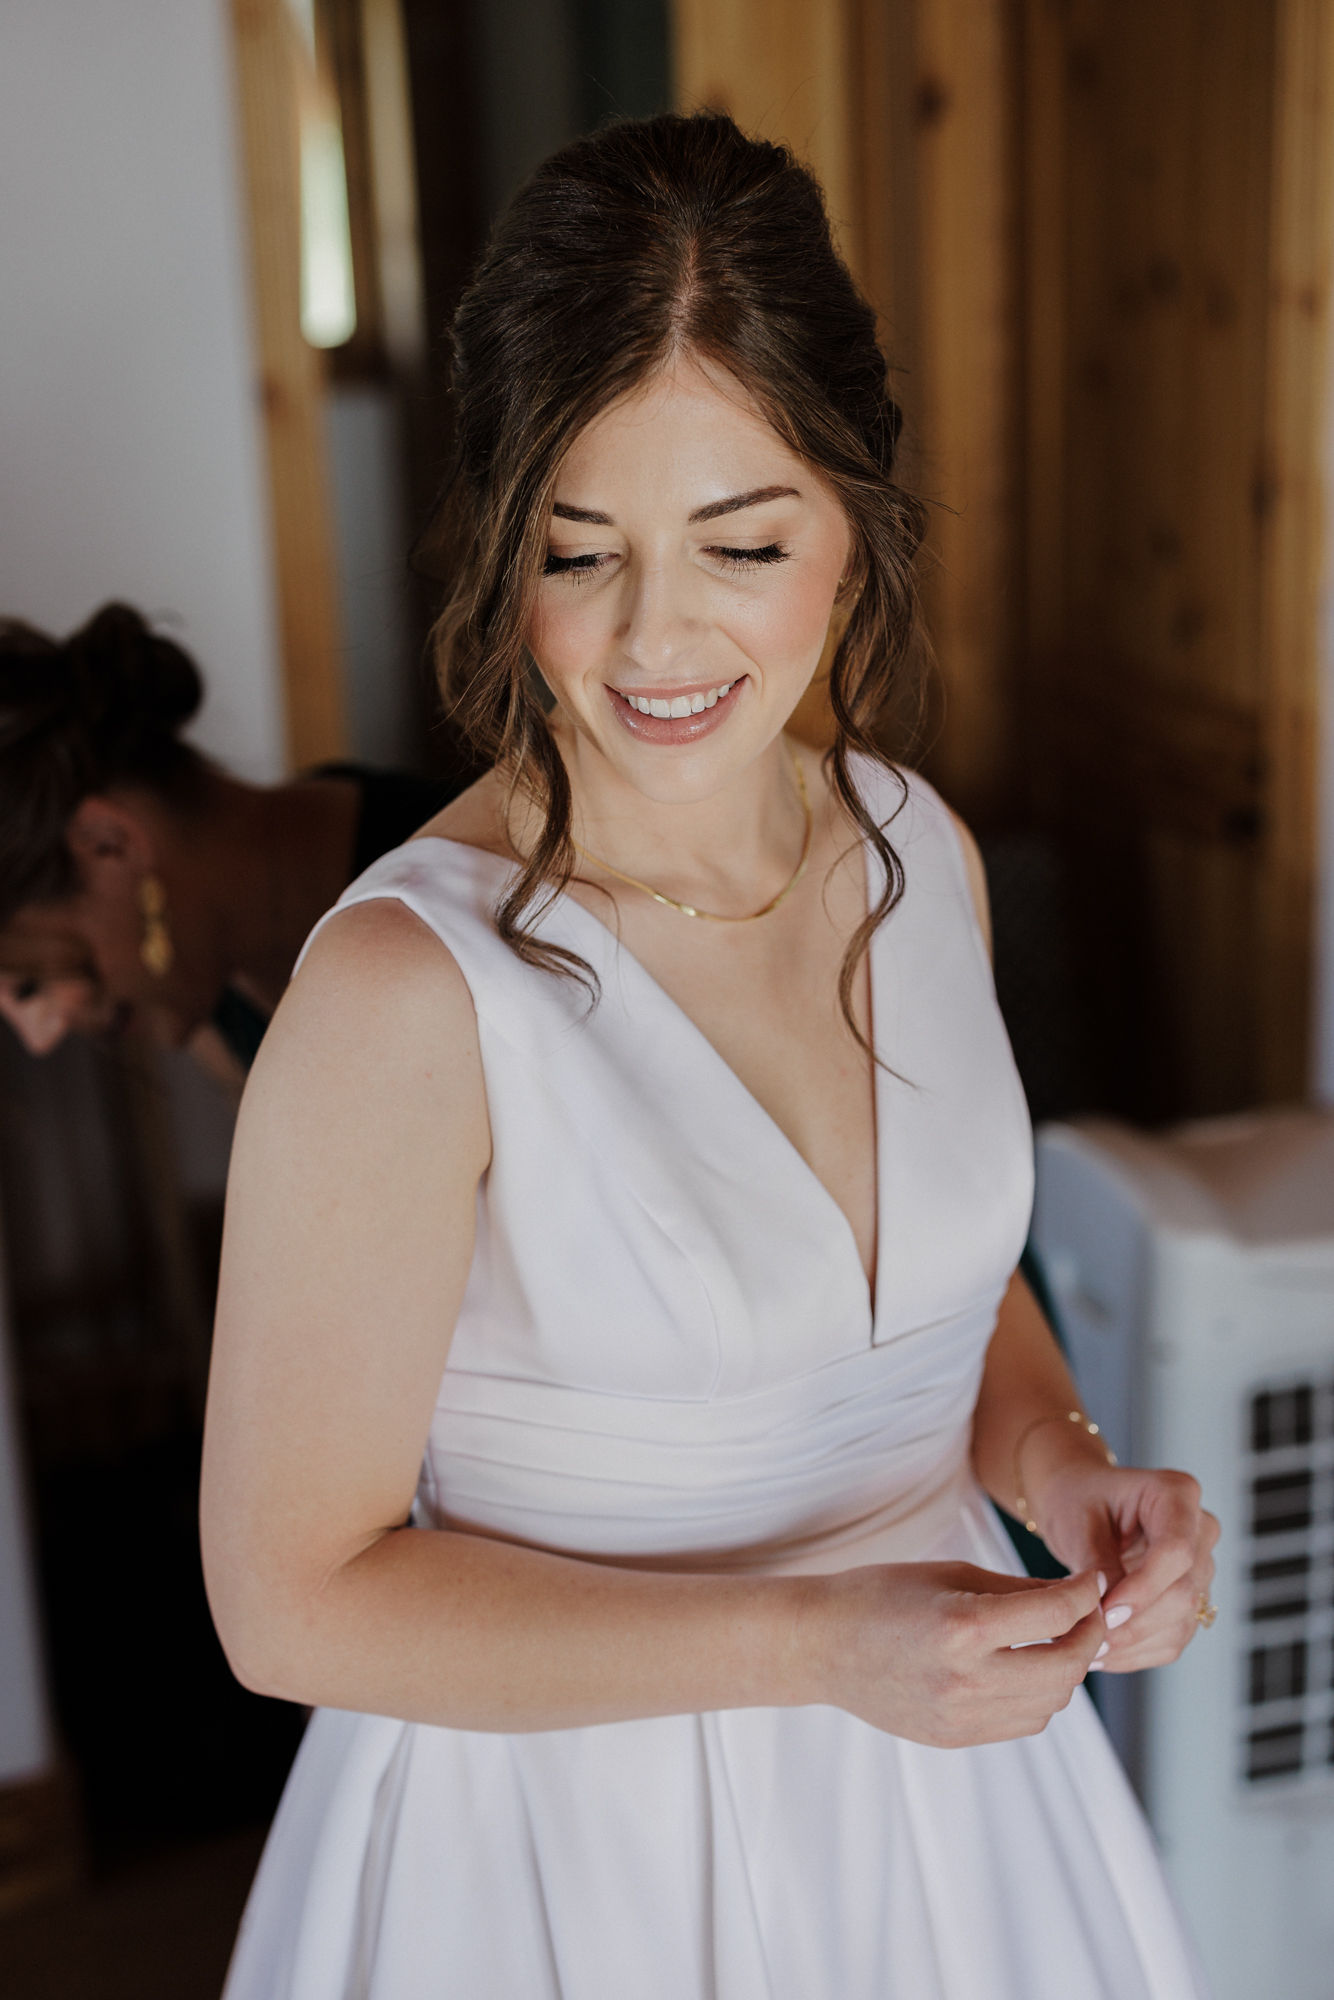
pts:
[650, 240]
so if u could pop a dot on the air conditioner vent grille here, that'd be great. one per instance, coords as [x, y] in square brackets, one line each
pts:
[1287, 1668]
[1282, 1416]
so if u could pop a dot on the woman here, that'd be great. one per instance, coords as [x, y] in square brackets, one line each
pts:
[612, 1356]
[138, 881]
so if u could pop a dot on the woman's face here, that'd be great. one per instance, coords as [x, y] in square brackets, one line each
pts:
[76, 966]
[692, 568]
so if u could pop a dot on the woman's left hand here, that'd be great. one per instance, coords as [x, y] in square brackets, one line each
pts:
[1148, 1533]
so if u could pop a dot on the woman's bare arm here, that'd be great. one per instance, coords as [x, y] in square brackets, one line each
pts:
[1026, 1379]
[360, 1145]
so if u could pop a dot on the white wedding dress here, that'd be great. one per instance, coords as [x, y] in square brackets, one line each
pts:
[667, 1354]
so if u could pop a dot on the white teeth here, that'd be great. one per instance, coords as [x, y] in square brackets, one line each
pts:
[680, 704]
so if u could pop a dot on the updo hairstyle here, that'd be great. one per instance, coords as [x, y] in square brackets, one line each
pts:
[78, 716]
[654, 238]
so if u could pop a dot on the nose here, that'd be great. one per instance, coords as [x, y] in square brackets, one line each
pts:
[662, 626]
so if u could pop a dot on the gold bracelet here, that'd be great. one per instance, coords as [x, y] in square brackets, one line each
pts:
[1054, 1417]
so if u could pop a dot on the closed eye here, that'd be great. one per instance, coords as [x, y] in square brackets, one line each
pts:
[582, 566]
[772, 552]
[575, 566]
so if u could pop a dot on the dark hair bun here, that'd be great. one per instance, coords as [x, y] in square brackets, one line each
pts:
[103, 707]
[125, 678]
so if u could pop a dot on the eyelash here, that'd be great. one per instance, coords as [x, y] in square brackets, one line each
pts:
[772, 552]
[580, 567]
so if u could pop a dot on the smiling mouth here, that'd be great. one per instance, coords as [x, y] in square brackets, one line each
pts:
[667, 707]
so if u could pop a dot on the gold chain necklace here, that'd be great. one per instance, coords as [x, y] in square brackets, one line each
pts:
[711, 916]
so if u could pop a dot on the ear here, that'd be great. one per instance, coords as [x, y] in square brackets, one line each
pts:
[104, 836]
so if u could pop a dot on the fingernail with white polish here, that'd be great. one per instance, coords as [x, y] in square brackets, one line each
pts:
[1101, 1652]
[1118, 1616]
[1096, 1667]
[1102, 1583]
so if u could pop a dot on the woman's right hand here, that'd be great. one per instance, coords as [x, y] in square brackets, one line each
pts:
[949, 1654]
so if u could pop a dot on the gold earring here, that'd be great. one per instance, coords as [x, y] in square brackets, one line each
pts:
[156, 948]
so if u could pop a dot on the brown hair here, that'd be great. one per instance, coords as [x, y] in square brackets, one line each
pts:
[103, 707]
[651, 238]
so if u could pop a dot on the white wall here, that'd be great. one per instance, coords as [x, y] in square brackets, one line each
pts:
[130, 452]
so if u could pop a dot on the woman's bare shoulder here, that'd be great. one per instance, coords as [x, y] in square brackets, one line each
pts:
[377, 953]
[378, 1020]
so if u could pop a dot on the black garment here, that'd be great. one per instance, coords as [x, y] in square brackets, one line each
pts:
[393, 805]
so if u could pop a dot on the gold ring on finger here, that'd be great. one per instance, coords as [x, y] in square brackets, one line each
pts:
[1205, 1612]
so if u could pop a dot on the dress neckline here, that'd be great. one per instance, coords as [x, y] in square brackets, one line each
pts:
[767, 1126]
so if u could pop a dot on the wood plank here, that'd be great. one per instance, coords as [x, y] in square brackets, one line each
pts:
[290, 383]
[1294, 525]
[341, 49]
[966, 381]
[1128, 748]
[1043, 277]
[781, 69]
[1178, 165]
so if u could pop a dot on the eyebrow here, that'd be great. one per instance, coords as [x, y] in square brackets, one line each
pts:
[715, 509]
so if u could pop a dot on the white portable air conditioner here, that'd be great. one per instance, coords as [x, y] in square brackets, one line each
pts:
[1193, 1279]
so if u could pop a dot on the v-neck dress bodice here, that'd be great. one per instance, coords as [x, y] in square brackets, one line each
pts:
[667, 1355]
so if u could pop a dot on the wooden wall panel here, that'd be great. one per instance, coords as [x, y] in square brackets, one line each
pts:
[1178, 168]
[290, 382]
[781, 69]
[1146, 177]
[1164, 226]
[1294, 527]
[952, 324]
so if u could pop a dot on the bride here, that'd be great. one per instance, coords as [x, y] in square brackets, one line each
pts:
[619, 1331]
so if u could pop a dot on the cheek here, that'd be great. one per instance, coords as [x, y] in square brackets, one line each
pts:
[565, 632]
[788, 625]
